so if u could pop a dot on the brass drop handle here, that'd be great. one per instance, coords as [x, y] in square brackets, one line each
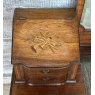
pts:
[45, 71]
[45, 79]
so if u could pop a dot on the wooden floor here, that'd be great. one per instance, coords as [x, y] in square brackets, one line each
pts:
[86, 67]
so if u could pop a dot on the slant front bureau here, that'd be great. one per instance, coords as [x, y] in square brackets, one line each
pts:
[45, 53]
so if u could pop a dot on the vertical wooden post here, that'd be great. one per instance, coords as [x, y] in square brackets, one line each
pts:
[79, 8]
[73, 72]
[74, 69]
[19, 73]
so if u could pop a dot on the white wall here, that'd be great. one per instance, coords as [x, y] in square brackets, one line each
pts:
[86, 16]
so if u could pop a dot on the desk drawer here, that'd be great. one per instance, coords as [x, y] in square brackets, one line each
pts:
[45, 75]
[41, 75]
[45, 79]
[36, 71]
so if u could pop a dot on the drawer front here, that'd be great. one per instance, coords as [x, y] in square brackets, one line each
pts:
[45, 79]
[41, 71]
[41, 75]
[45, 75]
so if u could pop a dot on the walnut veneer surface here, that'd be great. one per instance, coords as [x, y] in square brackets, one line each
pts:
[45, 34]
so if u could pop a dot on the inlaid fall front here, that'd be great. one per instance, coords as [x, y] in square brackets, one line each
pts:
[46, 39]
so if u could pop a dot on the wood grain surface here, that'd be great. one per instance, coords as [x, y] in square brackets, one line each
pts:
[86, 71]
[50, 35]
[52, 38]
[45, 38]
[85, 40]
[68, 89]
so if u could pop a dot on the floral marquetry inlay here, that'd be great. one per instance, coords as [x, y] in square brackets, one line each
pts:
[44, 41]
[46, 35]
[40, 38]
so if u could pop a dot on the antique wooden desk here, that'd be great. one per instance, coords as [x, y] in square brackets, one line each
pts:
[45, 53]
